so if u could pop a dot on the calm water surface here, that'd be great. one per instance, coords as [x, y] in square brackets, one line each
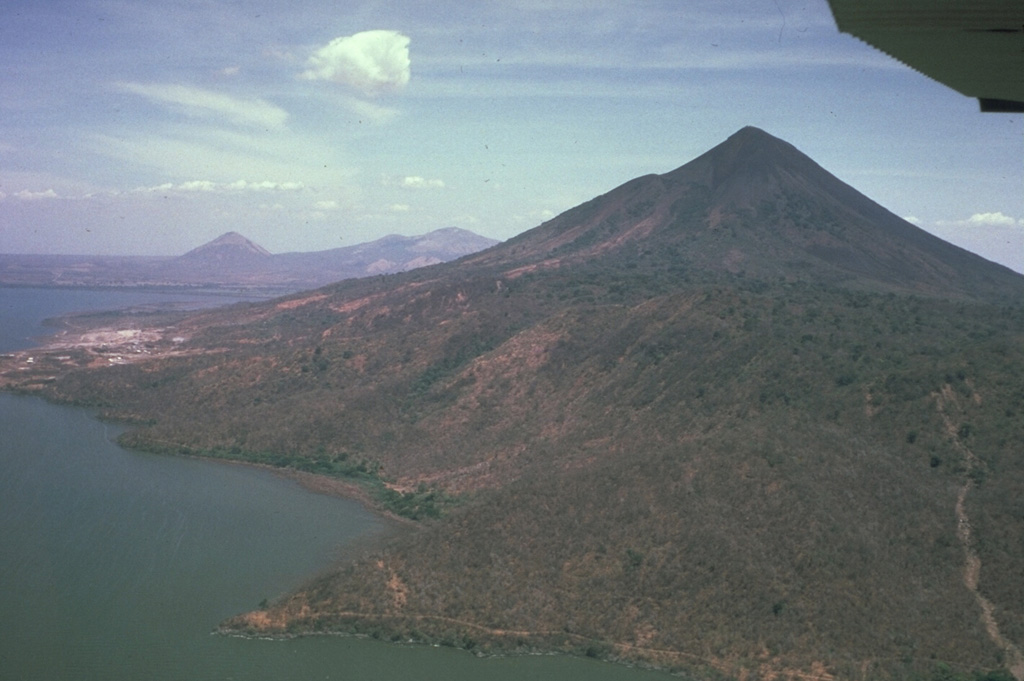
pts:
[117, 565]
[22, 310]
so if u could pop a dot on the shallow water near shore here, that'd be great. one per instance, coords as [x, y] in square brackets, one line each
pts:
[118, 565]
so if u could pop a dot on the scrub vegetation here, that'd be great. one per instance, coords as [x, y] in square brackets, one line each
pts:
[736, 421]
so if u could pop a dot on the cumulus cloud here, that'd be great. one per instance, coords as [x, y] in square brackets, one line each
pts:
[913, 219]
[371, 62]
[200, 102]
[417, 182]
[399, 208]
[326, 205]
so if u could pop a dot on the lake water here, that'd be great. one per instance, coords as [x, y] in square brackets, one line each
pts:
[22, 310]
[117, 565]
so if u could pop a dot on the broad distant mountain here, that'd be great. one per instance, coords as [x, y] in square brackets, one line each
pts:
[387, 255]
[232, 260]
[735, 420]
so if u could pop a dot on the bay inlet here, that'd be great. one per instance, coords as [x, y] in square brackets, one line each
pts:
[118, 565]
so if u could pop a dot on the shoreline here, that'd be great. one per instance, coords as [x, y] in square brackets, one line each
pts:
[314, 483]
[30, 371]
[481, 654]
[257, 293]
[497, 643]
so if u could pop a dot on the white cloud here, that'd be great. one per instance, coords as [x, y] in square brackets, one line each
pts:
[995, 236]
[996, 219]
[372, 62]
[199, 102]
[993, 219]
[417, 182]
[197, 186]
[326, 205]
[913, 219]
[238, 186]
[34, 196]
[276, 186]
[399, 208]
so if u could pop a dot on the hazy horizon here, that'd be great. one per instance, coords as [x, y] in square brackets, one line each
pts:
[208, 241]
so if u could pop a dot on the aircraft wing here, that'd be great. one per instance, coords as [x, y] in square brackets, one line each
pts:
[975, 47]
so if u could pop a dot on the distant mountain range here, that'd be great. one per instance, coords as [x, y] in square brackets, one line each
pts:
[234, 261]
[735, 420]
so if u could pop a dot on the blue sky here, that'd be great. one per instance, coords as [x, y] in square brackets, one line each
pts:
[134, 127]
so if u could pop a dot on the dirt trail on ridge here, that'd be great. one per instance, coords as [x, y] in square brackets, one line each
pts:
[972, 563]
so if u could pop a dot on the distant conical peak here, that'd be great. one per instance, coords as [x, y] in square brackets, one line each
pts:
[233, 239]
[230, 240]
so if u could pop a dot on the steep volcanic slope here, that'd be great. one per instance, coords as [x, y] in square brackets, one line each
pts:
[756, 205]
[696, 421]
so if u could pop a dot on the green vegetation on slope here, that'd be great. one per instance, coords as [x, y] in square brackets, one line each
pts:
[736, 419]
[745, 475]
